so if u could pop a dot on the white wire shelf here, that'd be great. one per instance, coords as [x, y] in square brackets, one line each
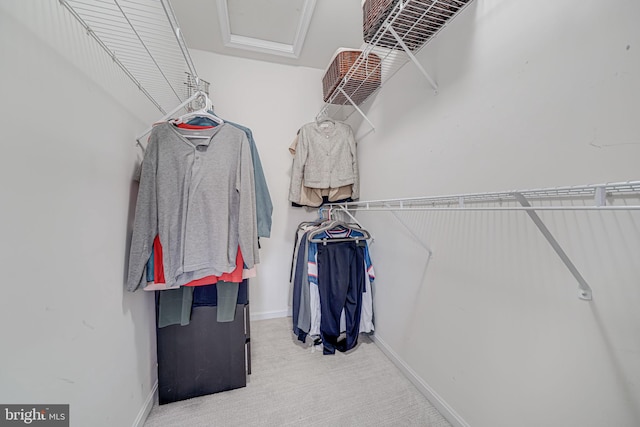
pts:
[143, 38]
[593, 197]
[409, 26]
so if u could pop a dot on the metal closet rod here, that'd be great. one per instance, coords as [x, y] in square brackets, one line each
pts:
[599, 192]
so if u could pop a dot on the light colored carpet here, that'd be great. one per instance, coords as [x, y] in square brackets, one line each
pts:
[291, 385]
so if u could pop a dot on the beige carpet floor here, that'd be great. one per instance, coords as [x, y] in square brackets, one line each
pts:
[293, 385]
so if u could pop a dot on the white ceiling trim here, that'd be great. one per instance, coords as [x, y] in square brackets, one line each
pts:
[266, 46]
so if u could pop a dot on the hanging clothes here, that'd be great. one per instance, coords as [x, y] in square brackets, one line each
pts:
[198, 196]
[174, 307]
[195, 229]
[227, 289]
[264, 206]
[325, 164]
[340, 286]
[157, 282]
[301, 305]
[332, 286]
[330, 237]
[316, 197]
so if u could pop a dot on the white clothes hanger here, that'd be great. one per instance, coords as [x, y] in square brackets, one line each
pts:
[205, 111]
[323, 117]
[171, 114]
[334, 224]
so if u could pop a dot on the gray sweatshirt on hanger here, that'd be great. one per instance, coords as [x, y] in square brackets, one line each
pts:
[198, 195]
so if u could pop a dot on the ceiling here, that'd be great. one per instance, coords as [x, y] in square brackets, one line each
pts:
[294, 32]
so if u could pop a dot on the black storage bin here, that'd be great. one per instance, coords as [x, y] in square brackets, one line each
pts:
[203, 357]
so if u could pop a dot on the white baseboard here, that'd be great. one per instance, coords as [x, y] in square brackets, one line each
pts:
[146, 408]
[438, 402]
[269, 315]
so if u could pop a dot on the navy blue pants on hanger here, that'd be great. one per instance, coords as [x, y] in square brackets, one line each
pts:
[340, 283]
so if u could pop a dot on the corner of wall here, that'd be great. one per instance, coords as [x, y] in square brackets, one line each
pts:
[436, 400]
[146, 406]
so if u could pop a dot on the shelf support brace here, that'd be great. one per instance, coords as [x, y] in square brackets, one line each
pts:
[411, 56]
[356, 107]
[415, 236]
[344, 210]
[584, 291]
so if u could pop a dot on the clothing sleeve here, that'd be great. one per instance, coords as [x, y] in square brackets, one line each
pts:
[312, 261]
[293, 146]
[369, 265]
[298, 285]
[294, 256]
[145, 222]
[355, 189]
[264, 206]
[297, 170]
[150, 269]
[247, 223]
[304, 314]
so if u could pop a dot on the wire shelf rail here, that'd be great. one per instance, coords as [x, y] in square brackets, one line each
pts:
[144, 39]
[601, 195]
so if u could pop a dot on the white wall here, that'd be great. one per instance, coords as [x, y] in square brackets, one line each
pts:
[70, 333]
[532, 94]
[273, 101]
